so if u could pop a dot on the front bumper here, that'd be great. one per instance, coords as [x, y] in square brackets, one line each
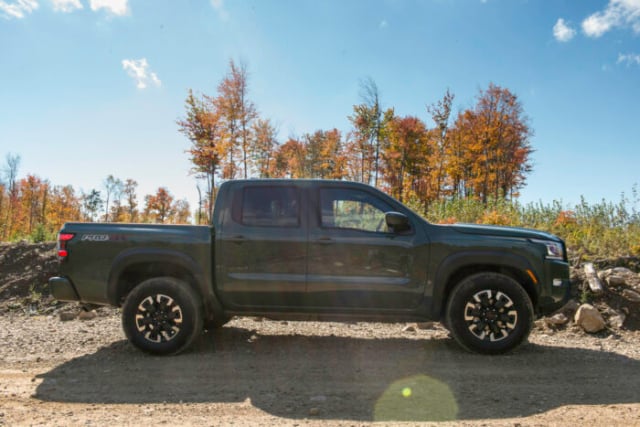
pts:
[62, 289]
[556, 290]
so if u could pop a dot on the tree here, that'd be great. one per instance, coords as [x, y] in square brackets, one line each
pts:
[181, 212]
[204, 128]
[493, 139]
[33, 196]
[159, 206]
[237, 113]
[324, 156]
[264, 146]
[91, 204]
[368, 123]
[113, 189]
[10, 173]
[290, 160]
[405, 156]
[129, 192]
[64, 206]
[440, 113]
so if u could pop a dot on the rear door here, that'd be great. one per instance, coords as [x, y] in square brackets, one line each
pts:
[263, 247]
[355, 262]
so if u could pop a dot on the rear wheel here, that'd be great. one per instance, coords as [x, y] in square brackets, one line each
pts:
[489, 313]
[162, 315]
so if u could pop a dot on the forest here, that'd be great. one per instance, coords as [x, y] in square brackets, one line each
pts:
[450, 166]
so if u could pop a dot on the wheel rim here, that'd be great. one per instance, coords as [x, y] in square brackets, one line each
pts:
[159, 318]
[490, 315]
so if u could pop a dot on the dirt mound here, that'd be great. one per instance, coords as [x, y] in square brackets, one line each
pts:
[25, 269]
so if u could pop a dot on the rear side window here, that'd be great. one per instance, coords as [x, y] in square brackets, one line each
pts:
[269, 207]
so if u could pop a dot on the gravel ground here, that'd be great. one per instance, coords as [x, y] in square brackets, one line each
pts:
[260, 372]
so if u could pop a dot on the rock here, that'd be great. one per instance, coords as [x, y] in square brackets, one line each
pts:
[616, 280]
[426, 325]
[569, 308]
[589, 318]
[87, 315]
[617, 320]
[622, 270]
[540, 324]
[409, 328]
[314, 411]
[632, 296]
[557, 320]
[65, 316]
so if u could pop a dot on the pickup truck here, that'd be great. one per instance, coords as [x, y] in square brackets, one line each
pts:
[313, 250]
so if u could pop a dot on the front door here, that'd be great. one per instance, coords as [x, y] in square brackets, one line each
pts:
[355, 262]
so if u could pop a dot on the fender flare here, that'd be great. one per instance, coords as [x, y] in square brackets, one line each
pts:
[129, 257]
[469, 259]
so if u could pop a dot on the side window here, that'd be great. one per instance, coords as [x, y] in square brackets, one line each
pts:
[352, 209]
[270, 207]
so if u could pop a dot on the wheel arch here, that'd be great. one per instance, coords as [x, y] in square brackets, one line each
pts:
[133, 266]
[460, 266]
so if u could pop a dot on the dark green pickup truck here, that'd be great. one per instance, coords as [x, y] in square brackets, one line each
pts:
[313, 250]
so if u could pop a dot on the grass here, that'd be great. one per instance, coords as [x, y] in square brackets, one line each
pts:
[591, 231]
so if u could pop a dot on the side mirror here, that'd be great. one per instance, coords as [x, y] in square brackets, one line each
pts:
[397, 221]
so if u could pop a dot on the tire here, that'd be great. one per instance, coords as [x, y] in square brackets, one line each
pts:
[489, 313]
[162, 316]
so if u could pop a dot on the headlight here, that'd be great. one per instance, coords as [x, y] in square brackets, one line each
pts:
[554, 249]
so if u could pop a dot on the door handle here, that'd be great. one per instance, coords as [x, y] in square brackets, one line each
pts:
[237, 239]
[324, 240]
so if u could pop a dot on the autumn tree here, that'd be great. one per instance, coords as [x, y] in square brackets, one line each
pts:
[159, 206]
[439, 139]
[405, 156]
[368, 123]
[10, 175]
[237, 113]
[493, 139]
[264, 147]
[181, 212]
[204, 127]
[324, 155]
[33, 196]
[290, 160]
[64, 206]
[129, 192]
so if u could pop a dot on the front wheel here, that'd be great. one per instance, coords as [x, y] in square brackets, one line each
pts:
[489, 313]
[162, 315]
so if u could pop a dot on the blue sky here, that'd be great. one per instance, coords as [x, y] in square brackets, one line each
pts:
[74, 109]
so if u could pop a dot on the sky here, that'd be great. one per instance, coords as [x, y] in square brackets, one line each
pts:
[90, 88]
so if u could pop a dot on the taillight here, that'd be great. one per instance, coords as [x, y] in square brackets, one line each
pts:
[63, 238]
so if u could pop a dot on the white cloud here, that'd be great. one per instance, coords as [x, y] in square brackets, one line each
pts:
[138, 69]
[115, 7]
[17, 9]
[66, 5]
[629, 59]
[218, 5]
[383, 24]
[618, 13]
[562, 31]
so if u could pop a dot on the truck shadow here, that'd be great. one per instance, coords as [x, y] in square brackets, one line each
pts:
[357, 379]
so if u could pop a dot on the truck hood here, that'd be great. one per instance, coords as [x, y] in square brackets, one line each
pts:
[493, 230]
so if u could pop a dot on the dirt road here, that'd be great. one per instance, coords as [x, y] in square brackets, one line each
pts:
[289, 373]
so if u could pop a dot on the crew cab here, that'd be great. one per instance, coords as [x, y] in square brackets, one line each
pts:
[313, 250]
